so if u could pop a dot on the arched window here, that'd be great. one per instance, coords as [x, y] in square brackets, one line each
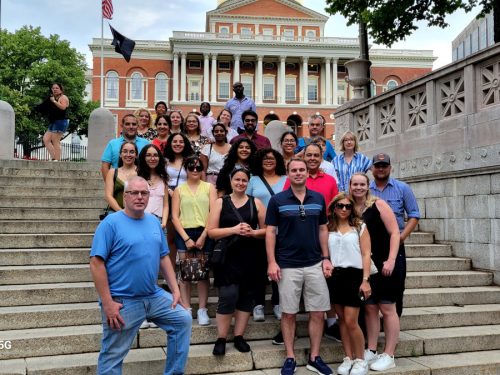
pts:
[391, 84]
[161, 87]
[112, 87]
[136, 87]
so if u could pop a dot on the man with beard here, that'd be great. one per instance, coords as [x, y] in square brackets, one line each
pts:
[401, 199]
[316, 127]
[237, 105]
[250, 120]
[111, 153]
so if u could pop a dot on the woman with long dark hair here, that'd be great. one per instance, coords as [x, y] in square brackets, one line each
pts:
[162, 124]
[214, 154]
[288, 142]
[240, 155]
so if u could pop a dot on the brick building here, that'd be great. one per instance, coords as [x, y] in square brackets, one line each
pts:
[276, 48]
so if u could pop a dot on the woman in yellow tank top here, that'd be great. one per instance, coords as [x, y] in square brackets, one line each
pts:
[191, 204]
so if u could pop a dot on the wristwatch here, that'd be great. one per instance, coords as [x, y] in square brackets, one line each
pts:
[323, 258]
[366, 278]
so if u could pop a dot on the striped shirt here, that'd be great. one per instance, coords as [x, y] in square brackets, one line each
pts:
[400, 198]
[359, 163]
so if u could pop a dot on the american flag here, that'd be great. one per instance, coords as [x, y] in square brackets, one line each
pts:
[107, 9]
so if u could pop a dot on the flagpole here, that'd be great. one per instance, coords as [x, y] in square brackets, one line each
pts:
[102, 59]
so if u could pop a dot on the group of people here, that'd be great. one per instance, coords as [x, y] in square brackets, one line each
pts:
[301, 217]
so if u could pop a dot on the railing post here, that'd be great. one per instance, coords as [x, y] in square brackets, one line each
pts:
[101, 131]
[7, 131]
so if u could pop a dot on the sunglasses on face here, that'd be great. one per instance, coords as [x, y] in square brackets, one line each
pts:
[197, 167]
[341, 206]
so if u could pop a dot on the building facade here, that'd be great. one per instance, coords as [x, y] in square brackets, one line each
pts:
[477, 35]
[276, 48]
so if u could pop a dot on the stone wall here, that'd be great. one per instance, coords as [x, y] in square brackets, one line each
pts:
[443, 134]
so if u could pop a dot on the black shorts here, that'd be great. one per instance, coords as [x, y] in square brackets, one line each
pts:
[386, 289]
[235, 297]
[344, 286]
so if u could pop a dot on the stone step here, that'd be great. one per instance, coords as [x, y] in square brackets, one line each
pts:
[27, 191]
[40, 164]
[51, 213]
[57, 182]
[25, 257]
[447, 279]
[61, 273]
[152, 361]
[52, 202]
[51, 172]
[420, 238]
[39, 240]
[458, 296]
[438, 264]
[47, 226]
[427, 250]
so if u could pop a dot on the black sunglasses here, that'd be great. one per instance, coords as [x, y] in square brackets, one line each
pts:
[197, 167]
[302, 212]
[341, 206]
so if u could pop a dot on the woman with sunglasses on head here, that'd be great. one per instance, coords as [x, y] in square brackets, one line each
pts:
[214, 154]
[239, 156]
[192, 130]
[224, 118]
[386, 284]
[191, 203]
[176, 151]
[162, 124]
[268, 178]
[288, 142]
[144, 128]
[177, 121]
[152, 169]
[240, 219]
[115, 179]
[349, 286]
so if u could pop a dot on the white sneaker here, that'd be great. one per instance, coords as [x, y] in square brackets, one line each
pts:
[202, 316]
[383, 362]
[258, 313]
[145, 324]
[370, 357]
[345, 366]
[277, 311]
[152, 325]
[359, 367]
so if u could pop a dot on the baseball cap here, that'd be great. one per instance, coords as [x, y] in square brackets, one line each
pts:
[381, 158]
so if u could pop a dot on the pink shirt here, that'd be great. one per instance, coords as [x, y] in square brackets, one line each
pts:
[323, 183]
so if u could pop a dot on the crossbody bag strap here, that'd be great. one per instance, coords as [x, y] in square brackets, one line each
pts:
[264, 181]
[115, 176]
[233, 207]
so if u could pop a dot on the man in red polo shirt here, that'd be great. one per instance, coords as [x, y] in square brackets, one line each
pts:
[317, 181]
[250, 121]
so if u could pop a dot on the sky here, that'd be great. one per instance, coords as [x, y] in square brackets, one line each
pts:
[78, 21]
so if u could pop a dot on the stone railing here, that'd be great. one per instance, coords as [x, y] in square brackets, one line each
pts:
[443, 134]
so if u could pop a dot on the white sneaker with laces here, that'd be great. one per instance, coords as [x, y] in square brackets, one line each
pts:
[345, 366]
[258, 313]
[370, 357]
[202, 316]
[383, 362]
[144, 324]
[152, 325]
[277, 311]
[359, 367]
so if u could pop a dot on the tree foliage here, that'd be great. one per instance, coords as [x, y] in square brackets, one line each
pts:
[29, 64]
[389, 21]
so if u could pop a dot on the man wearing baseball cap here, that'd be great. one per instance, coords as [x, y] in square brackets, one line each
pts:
[401, 199]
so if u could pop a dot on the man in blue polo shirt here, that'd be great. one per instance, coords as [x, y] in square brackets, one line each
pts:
[237, 105]
[316, 125]
[401, 199]
[111, 153]
[298, 260]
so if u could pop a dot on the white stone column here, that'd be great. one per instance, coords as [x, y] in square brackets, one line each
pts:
[282, 80]
[206, 76]
[213, 83]
[183, 77]
[258, 81]
[7, 130]
[304, 80]
[175, 83]
[328, 81]
[236, 72]
[335, 83]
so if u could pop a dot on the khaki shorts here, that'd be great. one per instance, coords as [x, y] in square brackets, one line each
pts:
[308, 281]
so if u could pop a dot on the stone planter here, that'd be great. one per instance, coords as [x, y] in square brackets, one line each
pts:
[358, 75]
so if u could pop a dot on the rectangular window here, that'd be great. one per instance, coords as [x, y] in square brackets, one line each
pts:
[341, 95]
[194, 89]
[312, 89]
[161, 87]
[224, 65]
[268, 85]
[247, 81]
[290, 88]
[483, 37]
[246, 33]
[313, 68]
[288, 34]
[194, 64]
[224, 86]
[268, 34]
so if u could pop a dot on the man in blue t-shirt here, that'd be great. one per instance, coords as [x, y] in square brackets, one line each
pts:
[111, 153]
[128, 250]
[298, 260]
[316, 126]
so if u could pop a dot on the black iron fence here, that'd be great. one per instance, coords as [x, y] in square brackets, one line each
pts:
[32, 148]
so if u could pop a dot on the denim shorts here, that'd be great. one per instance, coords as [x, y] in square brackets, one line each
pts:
[58, 126]
[194, 233]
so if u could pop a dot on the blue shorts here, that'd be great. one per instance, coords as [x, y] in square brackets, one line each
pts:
[58, 126]
[194, 233]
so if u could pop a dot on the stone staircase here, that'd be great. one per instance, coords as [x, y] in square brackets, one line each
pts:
[50, 322]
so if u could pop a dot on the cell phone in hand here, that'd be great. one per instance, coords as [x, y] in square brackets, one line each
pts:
[361, 296]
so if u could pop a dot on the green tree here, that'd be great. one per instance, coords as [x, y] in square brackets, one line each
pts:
[389, 21]
[29, 64]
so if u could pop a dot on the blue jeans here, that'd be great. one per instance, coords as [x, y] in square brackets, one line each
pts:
[116, 344]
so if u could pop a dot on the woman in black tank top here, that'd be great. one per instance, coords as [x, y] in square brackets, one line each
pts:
[384, 235]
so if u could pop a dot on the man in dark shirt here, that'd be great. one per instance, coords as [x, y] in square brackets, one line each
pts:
[250, 120]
